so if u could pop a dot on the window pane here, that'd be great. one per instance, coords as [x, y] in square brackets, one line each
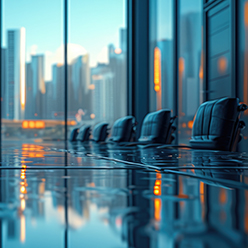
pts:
[97, 61]
[161, 55]
[32, 79]
[243, 64]
[190, 65]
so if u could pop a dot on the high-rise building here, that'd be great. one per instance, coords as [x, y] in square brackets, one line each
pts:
[80, 80]
[15, 90]
[190, 52]
[58, 90]
[49, 103]
[38, 91]
[117, 65]
[4, 80]
[103, 96]
[123, 40]
[30, 106]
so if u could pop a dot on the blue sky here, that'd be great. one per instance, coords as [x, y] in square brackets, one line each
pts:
[92, 24]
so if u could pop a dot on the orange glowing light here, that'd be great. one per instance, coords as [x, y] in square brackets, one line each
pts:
[158, 182]
[92, 116]
[31, 124]
[23, 190]
[156, 192]
[157, 88]
[202, 192]
[246, 14]
[157, 66]
[157, 185]
[223, 196]
[201, 73]
[40, 124]
[222, 65]
[184, 125]
[118, 51]
[91, 87]
[201, 66]
[158, 175]
[157, 209]
[92, 184]
[35, 114]
[190, 124]
[157, 76]
[181, 65]
[25, 124]
[73, 123]
[23, 176]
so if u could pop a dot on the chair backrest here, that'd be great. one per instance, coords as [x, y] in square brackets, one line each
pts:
[216, 125]
[123, 129]
[155, 127]
[100, 132]
[84, 133]
[74, 134]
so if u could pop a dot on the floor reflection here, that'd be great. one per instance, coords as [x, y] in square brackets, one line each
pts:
[88, 196]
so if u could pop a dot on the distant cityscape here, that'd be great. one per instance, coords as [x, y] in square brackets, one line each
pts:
[97, 93]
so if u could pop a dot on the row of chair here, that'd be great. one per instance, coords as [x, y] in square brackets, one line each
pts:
[156, 128]
[217, 126]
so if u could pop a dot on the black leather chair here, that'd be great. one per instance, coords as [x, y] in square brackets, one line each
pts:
[100, 132]
[84, 133]
[157, 127]
[123, 129]
[74, 134]
[217, 125]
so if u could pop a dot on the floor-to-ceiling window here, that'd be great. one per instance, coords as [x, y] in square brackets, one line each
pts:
[161, 54]
[243, 63]
[33, 72]
[33, 66]
[190, 67]
[97, 49]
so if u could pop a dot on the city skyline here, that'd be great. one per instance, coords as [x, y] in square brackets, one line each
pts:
[44, 99]
[46, 36]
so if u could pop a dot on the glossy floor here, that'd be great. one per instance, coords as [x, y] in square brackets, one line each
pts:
[107, 196]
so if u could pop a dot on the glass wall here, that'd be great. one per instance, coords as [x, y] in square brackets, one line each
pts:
[243, 63]
[161, 54]
[33, 92]
[97, 88]
[190, 67]
[33, 72]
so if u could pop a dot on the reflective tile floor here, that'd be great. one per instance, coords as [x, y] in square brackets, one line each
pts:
[105, 196]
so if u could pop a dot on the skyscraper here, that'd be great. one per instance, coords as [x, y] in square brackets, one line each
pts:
[58, 90]
[80, 79]
[117, 65]
[15, 90]
[123, 40]
[38, 90]
[4, 80]
[30, 107]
